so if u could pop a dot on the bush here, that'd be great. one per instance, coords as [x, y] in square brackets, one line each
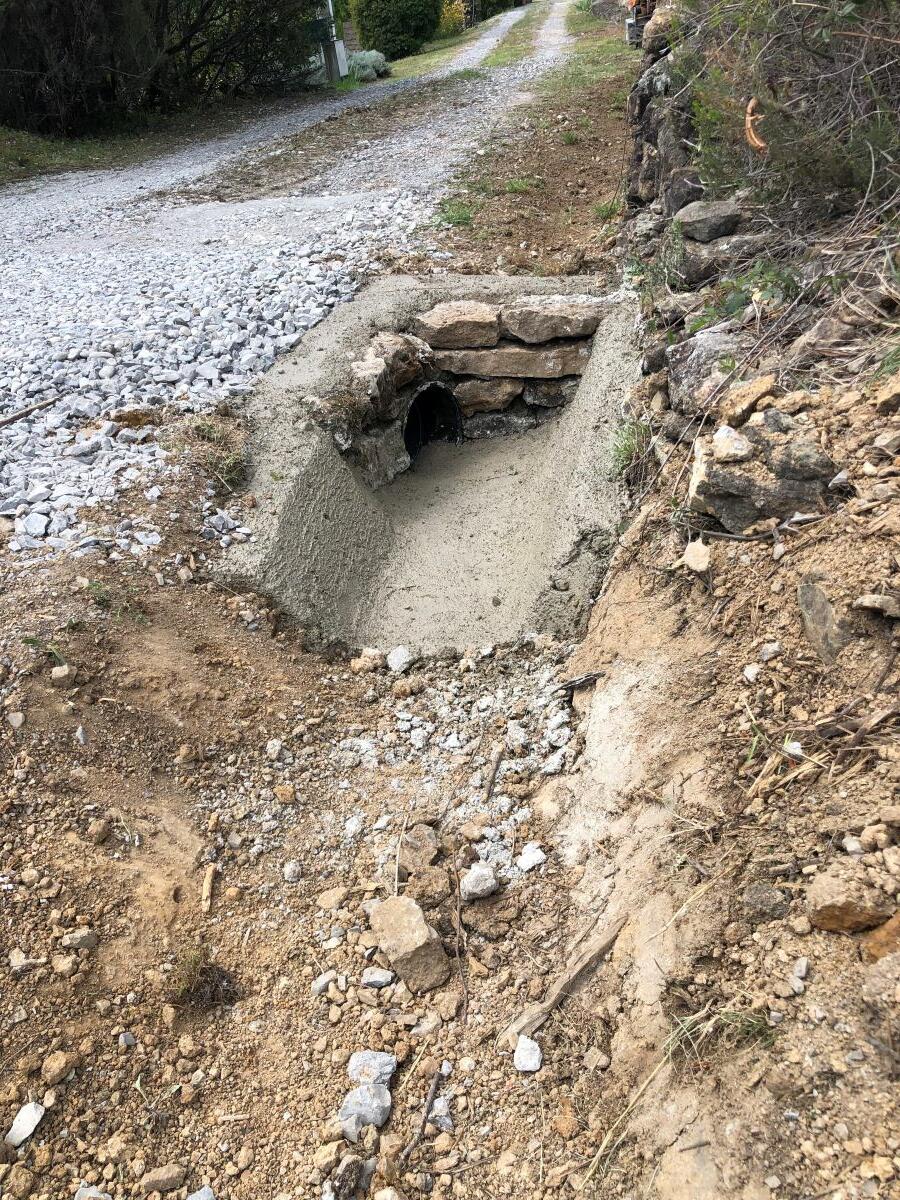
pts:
[395, 27]
[826, 98]
[366, 65]
[453, 19]
[76, 66]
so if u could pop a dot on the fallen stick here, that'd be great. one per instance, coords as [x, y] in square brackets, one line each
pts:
[417, 1136]
[493, 768]
[26, 412]
[532, 1017]
[206, 893]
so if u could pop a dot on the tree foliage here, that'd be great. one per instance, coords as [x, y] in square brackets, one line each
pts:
[69, 66]
[395, 27]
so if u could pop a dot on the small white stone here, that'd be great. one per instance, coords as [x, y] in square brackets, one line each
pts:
[730, 446]
[400, 659]
[528, 1056]
[25, 1123]
[532, 856]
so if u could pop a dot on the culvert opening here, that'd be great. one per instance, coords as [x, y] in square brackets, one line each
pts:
[434, 415]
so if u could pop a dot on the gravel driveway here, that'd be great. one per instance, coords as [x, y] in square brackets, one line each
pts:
[116, 296]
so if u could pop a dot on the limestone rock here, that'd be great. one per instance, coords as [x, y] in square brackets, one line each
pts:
[549, 393]
[163, 1179]
[763, 902]
[372, 1066]
[527, 1056]
[741, 399]
[823, 629]
[508, 359]
[887, 604]
[881, 941]
[410, 944]
[839, 901]
[543, 318]
[788, 473]
[478, 882]
[887, 396]
[26, 1121]
[418, 849]
[56, 1067]
[487, 395]
[405, 356]
[391, 361]
[730, 446]
[369, 1104]
[660, 31]
[826, 334]
[459, 323]
[706, 220]
[702, 261]
[19, 1183]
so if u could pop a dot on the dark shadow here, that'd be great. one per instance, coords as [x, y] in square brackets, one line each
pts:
[434, 415]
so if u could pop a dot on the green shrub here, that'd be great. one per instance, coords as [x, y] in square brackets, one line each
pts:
[395, 27]
[827, 98]
[453, 19]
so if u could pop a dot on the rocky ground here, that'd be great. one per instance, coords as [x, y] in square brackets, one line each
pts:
[280, 923]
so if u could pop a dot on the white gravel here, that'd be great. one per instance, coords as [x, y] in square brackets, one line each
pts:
[115, 296]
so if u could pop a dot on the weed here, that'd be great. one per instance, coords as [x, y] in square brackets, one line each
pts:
[889, 364]
[455, 211]
[694, 1036]
[608, 210]
[518, 187]
[468, 73]
[119, 605]
[100, 594]
[198, 982]
[570, 138]
[629, 444]
[45, 649]
[224, 458]
[766, 283]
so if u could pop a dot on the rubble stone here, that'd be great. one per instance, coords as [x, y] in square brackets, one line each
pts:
[509, 359]
[459, 323]
[413, 948]
[842, 903]
[538, 319]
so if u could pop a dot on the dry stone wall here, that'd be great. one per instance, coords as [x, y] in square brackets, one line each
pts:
[509, 365]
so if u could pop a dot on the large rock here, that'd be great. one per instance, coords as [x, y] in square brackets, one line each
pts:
[660, 31]
[391, 362]
[823, 629]
[486, 395]
[163, 1179]
[838, 900]
[508, 359]
[369, 1104]
[702, 261]
[827, 334]
[706, 220]
[411, 945]
[459, 323]
[787, 473]
[544, 318]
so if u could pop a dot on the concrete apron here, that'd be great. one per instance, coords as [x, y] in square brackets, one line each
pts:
[478, 543]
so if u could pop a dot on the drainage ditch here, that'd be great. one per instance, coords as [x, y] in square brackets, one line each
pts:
[433, 467]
